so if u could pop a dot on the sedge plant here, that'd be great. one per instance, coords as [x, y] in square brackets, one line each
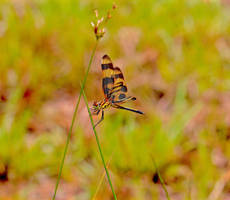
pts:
[99, 146]
[99, 32]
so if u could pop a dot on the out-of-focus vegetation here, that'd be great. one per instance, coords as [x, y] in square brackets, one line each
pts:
[175, 56]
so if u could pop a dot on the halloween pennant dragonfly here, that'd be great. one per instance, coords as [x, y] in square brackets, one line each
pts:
[114, 88]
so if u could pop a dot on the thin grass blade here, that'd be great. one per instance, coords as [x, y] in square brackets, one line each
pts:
[161, 179]
[73, 120]
[98, 144]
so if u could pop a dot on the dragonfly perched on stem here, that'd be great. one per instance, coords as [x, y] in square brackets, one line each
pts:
[114, 88]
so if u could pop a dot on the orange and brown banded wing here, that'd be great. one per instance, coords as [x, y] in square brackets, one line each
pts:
[108, 79]
[119, 92]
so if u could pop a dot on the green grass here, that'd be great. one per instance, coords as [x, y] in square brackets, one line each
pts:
[98, 144]
[179, 49]
[161, 179]
[73, 120]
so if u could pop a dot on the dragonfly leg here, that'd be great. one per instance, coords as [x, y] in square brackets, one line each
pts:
[102, 117]
[129, 109]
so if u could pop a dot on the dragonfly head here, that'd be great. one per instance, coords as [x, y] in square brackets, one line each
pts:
[96, 108]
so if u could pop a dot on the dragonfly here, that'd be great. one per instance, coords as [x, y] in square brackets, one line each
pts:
[114, 89]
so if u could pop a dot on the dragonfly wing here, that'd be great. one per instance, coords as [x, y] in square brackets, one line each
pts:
[108, 79]
[119, 92]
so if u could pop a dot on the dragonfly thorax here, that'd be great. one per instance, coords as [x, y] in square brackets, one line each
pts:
[105, 104]
[98, 106]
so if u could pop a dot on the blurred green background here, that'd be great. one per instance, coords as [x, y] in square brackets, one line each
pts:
[175, 56]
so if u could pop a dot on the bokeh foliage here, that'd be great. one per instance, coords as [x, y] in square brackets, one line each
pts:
[176, 60]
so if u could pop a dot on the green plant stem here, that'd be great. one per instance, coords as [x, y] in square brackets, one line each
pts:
[161, 179]
[102, 177]
[73, 120]
[99, 146]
